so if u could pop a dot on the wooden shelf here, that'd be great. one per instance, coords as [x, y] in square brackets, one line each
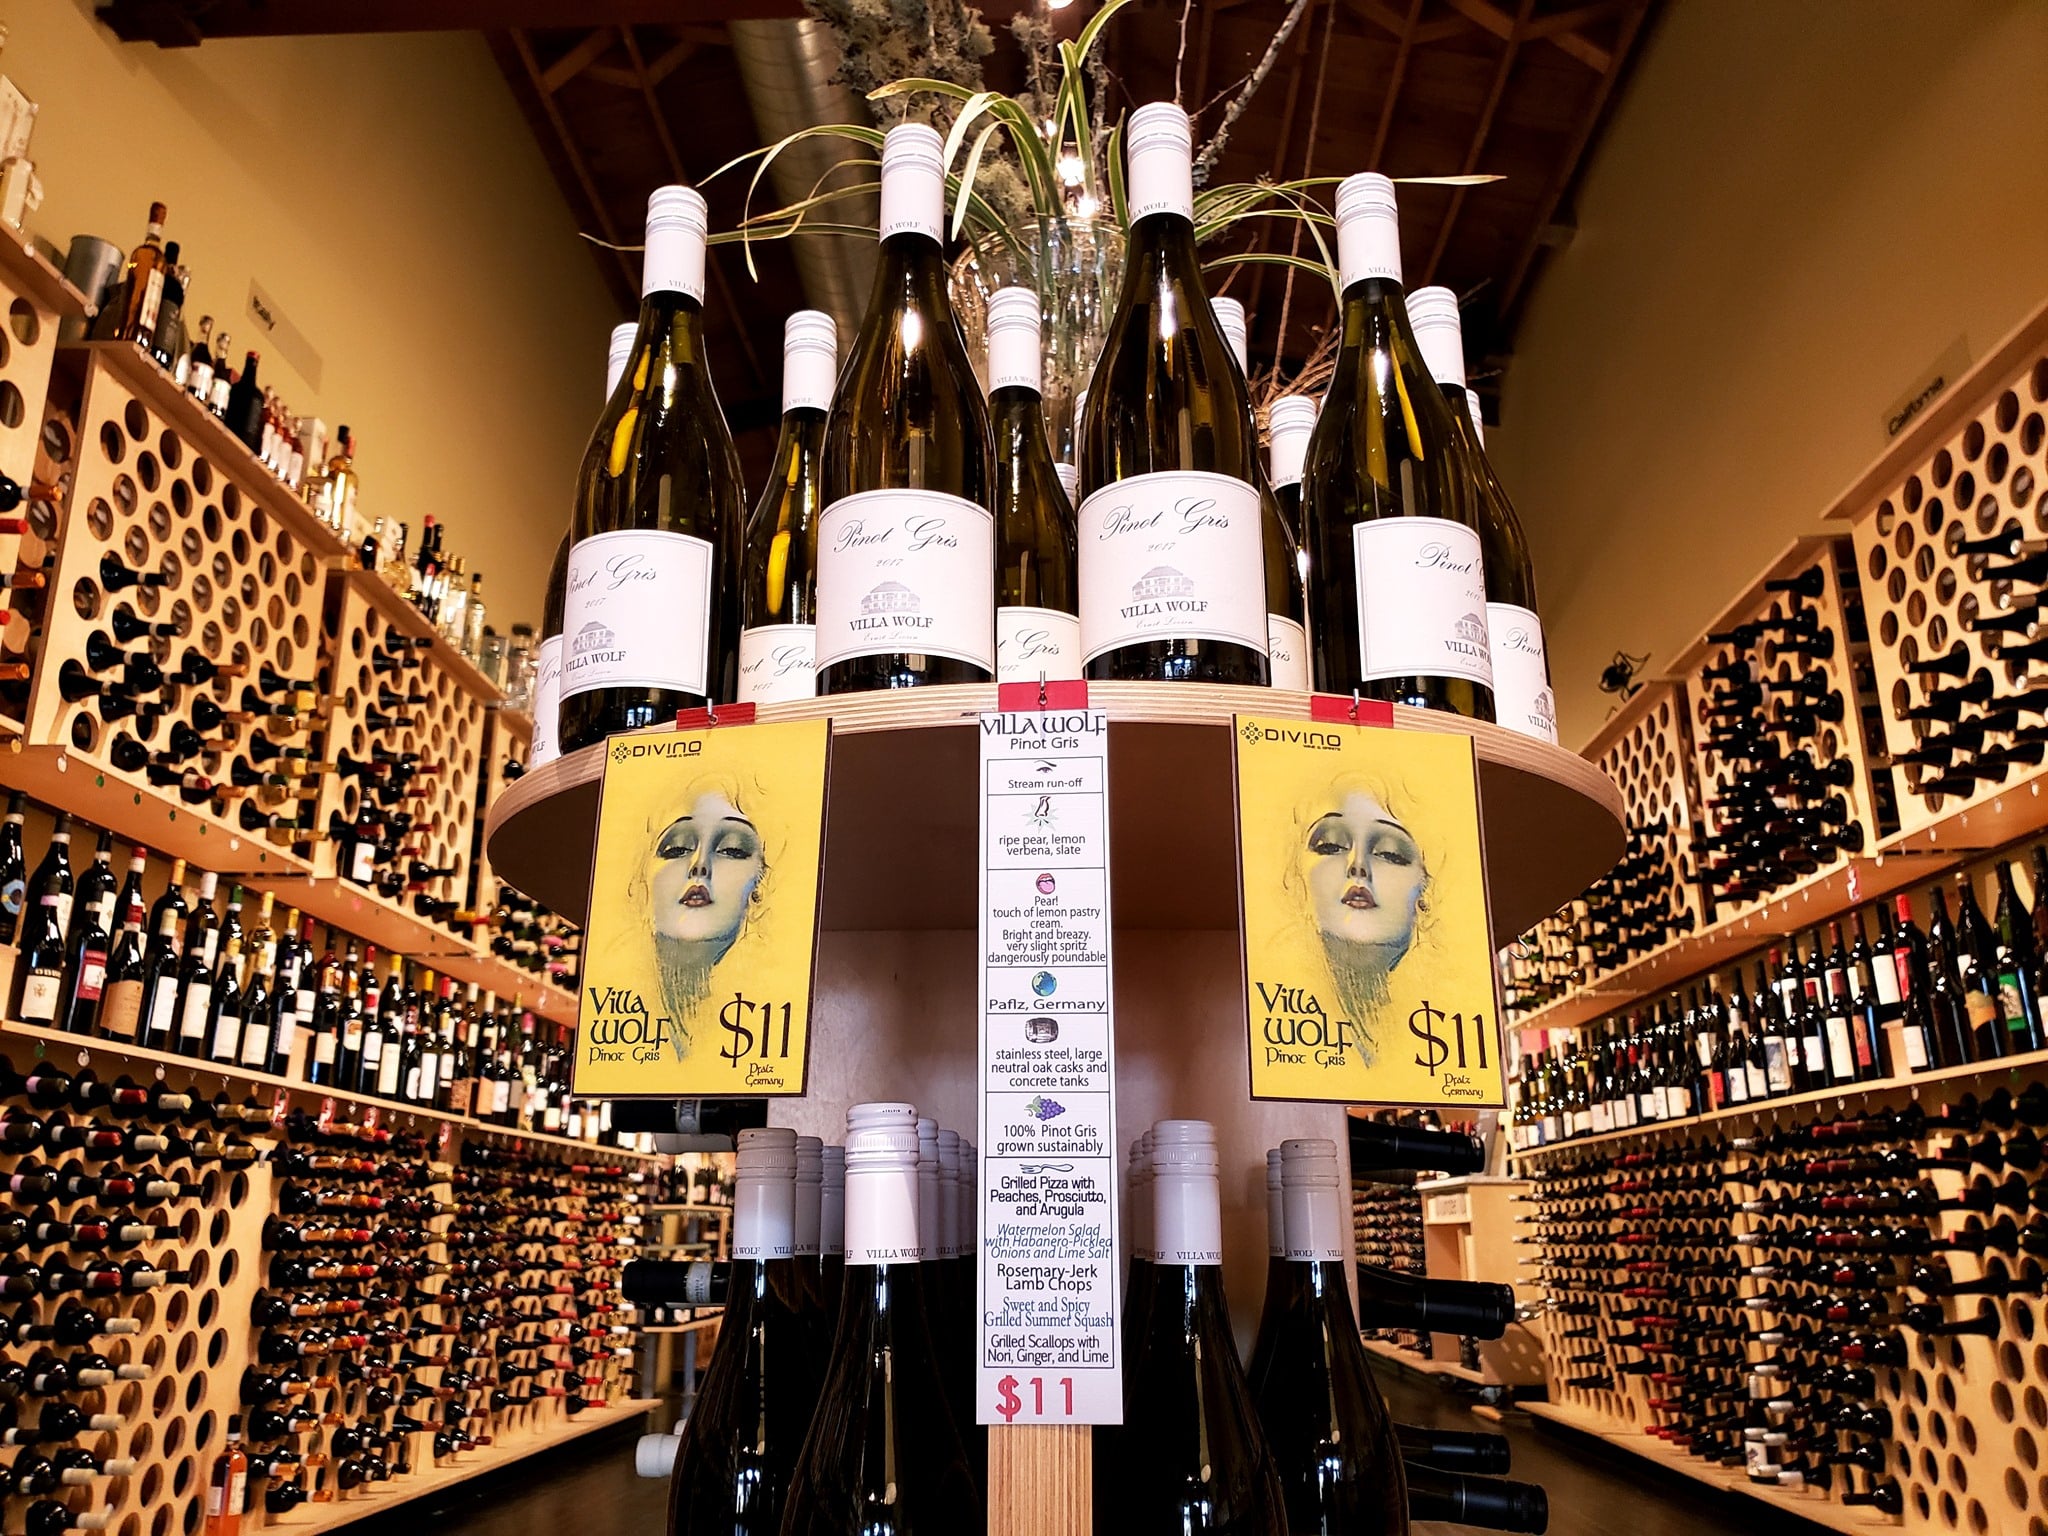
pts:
[206, 432]
[1815, 1506]
[2029, 1063]
[311, 1519]
[402, 616]
[1553, 820]
[1402, 1356]
[26, 271]
[154, 1063]
[1826, 894]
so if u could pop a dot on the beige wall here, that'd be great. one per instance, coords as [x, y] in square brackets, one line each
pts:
[388, 196]
[1798, 206]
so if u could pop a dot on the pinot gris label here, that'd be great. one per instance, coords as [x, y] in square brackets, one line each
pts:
[638, 613]
[903, 572]
[1421, 600]
[1172, 556]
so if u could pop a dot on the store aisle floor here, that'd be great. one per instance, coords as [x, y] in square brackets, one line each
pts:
[588, 1488]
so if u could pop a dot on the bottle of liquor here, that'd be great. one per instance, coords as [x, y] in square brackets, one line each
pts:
[198, 380]
[228, 1488]
[1399, 596]
[1290, 422]
[883, 1451]
[2019, 965]
[1522, 697]
[1330, 1433]
[906, 541]
[195, 972]
[739, 1447]
[160, 963]
[778, 605]
[244, 415]
[1189, 1455]
[39, 990]
[649, 624]
[167, 336]
[132, 315]
[1173, 579]
[1276, 1274]
[13, 868]
[832, 1235]
[258, 1008]
[120, 1011]
[1038, 623]
[1976, 954]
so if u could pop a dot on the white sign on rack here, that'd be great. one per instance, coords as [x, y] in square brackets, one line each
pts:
[1048, 1260]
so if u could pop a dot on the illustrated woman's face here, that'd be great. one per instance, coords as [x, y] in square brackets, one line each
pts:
[706, 865]
[1365, 874]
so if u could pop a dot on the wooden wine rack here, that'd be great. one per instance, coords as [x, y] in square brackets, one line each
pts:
[1969, 1414]
[198, 1339]
[1982, 474]
[244, 570]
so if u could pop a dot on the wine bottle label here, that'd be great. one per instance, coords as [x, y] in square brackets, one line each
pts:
[906, 572]
[323, 1048]
[1522, 700]
[1914, 1039]
[1421, 600]
[59, 904]
[120, 1009]
[92, 975]
[13, 896]
[224, 1040]
[39, 996]
[547, 698]
[152, 301]
[1287, 652]
[1187, 1219]
[388, 1064]
[1368, 230]
[192, 1021]
[881, 1217]
[778, 662]
[1014, 348]
[256, 1044]
[637, 612]
[1034, 643]
[1884, 978]
[1174, 555]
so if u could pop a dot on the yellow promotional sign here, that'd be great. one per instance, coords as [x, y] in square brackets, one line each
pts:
[699, 953]
[1368, 955]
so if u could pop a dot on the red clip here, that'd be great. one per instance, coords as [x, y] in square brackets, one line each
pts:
[1335, 709]
[714, 714]
[1060, 693]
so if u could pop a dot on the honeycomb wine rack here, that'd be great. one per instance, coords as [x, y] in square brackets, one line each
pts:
[1968, 1413]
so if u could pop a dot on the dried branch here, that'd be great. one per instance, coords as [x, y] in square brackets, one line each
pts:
[1213, 151]
[1180, 53]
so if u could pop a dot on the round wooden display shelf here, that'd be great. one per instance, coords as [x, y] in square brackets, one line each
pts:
[902, 816]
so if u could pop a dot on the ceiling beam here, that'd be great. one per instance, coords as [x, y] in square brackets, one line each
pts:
[577, 59]
[1630, 30]
[1282, 143]
[1480, 132]
[578, 168]
[714, 261]
[182, 23]
[1394, 79]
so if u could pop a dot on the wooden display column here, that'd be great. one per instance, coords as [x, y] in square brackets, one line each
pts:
[1040, 1478]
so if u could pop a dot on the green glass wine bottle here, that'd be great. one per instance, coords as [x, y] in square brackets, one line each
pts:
[1398, 586]
[906, 541]
[1172, 556]
[650, 618]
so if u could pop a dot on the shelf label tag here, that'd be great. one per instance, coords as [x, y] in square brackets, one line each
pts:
[1048, 1258]
[1368, 950]
[701, 949]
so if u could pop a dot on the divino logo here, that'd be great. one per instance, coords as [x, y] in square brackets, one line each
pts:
[1292, 736]
[674, 747]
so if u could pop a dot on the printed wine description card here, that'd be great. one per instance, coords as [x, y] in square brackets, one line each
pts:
[1368, 952]
[701, 950]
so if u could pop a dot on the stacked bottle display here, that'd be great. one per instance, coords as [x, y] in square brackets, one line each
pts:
[1853, 1003]
[1777, 1302]
[914, 532]
[843, 1399]
[1387, 1228]
[117, 1195]
[210, 971]
[145, 304]
[412, 1312]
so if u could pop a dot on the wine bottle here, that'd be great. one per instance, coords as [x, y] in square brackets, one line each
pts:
[1522, 696]
[1038, 622]
[1189, 1455]
[740, 1444]
[1286, 611]
[547, 657]
[1276, 1274]
[832, 1235]
[13, 868]
[244, 414]
[1331, 1436]
[47, 920]
[778, 605]
[1494, 1504]
[1172, 543]
[883, 1453]
[1290, 422]
[906, 541]
[1399, 597]
[132, 314]
[648, 623]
